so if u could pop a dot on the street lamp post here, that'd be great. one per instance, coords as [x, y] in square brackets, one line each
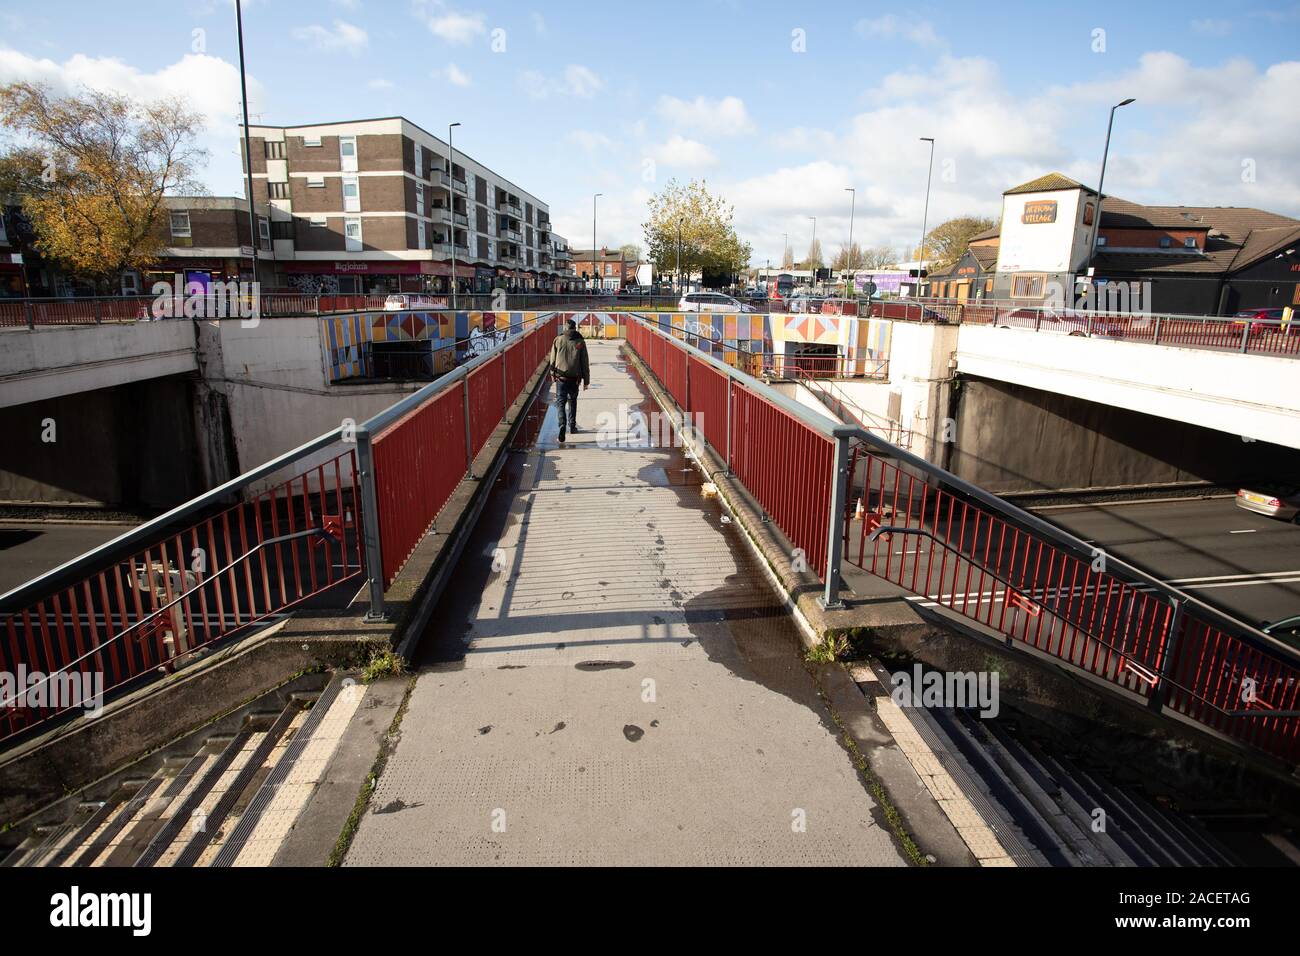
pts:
[1096, 219]
[679, 257]
[853, 202]
[248, 156]
[925, 216]
[451, 193]
[595, 276]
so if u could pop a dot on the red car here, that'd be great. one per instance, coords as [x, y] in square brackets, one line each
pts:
[1263, 320]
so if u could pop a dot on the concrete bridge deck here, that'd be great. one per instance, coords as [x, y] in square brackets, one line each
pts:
[625, 690]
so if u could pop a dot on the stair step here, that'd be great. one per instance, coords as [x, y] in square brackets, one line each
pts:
[121, 819]
[94, 816]
[276, 807]
[158, 809]
[217, 815]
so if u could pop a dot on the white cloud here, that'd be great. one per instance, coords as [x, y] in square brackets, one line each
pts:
[722, 117]
[207, 84]
[448, 24]
[455, 75]
[1212, 27]
[590, 141]
[890, 27]
[379, 83]
[345, 36]
[580, 81]
[576, 81]
[678, 151]
[1183, 141]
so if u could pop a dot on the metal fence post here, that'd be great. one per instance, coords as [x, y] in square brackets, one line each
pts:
[830, 599]
[31, 316]
[730, 382]
[469, 443]
[370, 525]
[1160, 691]
[1245, 337]
[1155, 338]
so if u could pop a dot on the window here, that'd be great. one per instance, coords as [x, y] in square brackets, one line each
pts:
[419, 233]
[1101, 241]
[419, 160]
[1166, 242]
[351, 194]
[316, 182]
[263, 231]
[278, 190]
[1027, 287]
[274, 148]
[180, 225]
[419, 199]
[1189, 242]
[352, 234]
[319, 222]
[282, 230]
[311, 140]
[348, 153]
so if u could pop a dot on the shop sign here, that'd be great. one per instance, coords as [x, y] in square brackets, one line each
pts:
[1040, 211]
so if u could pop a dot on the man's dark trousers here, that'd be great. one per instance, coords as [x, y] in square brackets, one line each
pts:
[567, 391]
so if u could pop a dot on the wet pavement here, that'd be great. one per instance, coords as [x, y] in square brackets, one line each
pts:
[609, 679]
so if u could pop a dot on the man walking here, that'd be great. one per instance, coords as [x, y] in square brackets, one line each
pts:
[569, 366]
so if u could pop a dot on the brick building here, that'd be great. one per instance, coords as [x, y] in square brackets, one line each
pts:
[379, 205]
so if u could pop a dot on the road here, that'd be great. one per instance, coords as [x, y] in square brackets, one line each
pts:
[29, 548]
[1244, 563]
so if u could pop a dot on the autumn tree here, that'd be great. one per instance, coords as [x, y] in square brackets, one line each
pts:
[91, 170]
[708, 238]
[787, 259]
[814, 258]
[879, 257]
[947, 242]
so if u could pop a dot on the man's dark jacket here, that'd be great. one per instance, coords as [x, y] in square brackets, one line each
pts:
[569, 356]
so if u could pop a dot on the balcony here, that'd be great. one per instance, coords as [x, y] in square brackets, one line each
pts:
[459, 185]
[462, 219]
[513, 235]
[440, 214]
[510, 206]
[439, 177]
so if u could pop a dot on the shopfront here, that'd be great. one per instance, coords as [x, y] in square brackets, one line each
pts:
[376, 278]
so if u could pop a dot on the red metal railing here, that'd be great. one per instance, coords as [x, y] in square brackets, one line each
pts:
[824, 366]
[422, 456]
[785, 464]
[188, 589]
[957, 547]
[960, 555]
[419, 461]
[1244, 334]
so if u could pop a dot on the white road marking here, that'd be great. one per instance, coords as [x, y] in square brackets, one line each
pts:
[1244, 531]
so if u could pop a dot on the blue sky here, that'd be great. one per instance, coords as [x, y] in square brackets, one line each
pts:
[778, 110]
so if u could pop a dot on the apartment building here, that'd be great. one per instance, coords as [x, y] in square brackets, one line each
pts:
[382, 205]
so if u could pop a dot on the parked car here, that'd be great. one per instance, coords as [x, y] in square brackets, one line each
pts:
[1287, 630]
[1271, 500]
[711, 302]
[1261, 320]
[1066, 322]
[399, 301]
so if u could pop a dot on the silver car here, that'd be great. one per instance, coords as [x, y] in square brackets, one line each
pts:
[1273, 502]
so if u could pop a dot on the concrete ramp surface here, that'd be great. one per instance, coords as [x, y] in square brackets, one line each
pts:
[610, 680]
